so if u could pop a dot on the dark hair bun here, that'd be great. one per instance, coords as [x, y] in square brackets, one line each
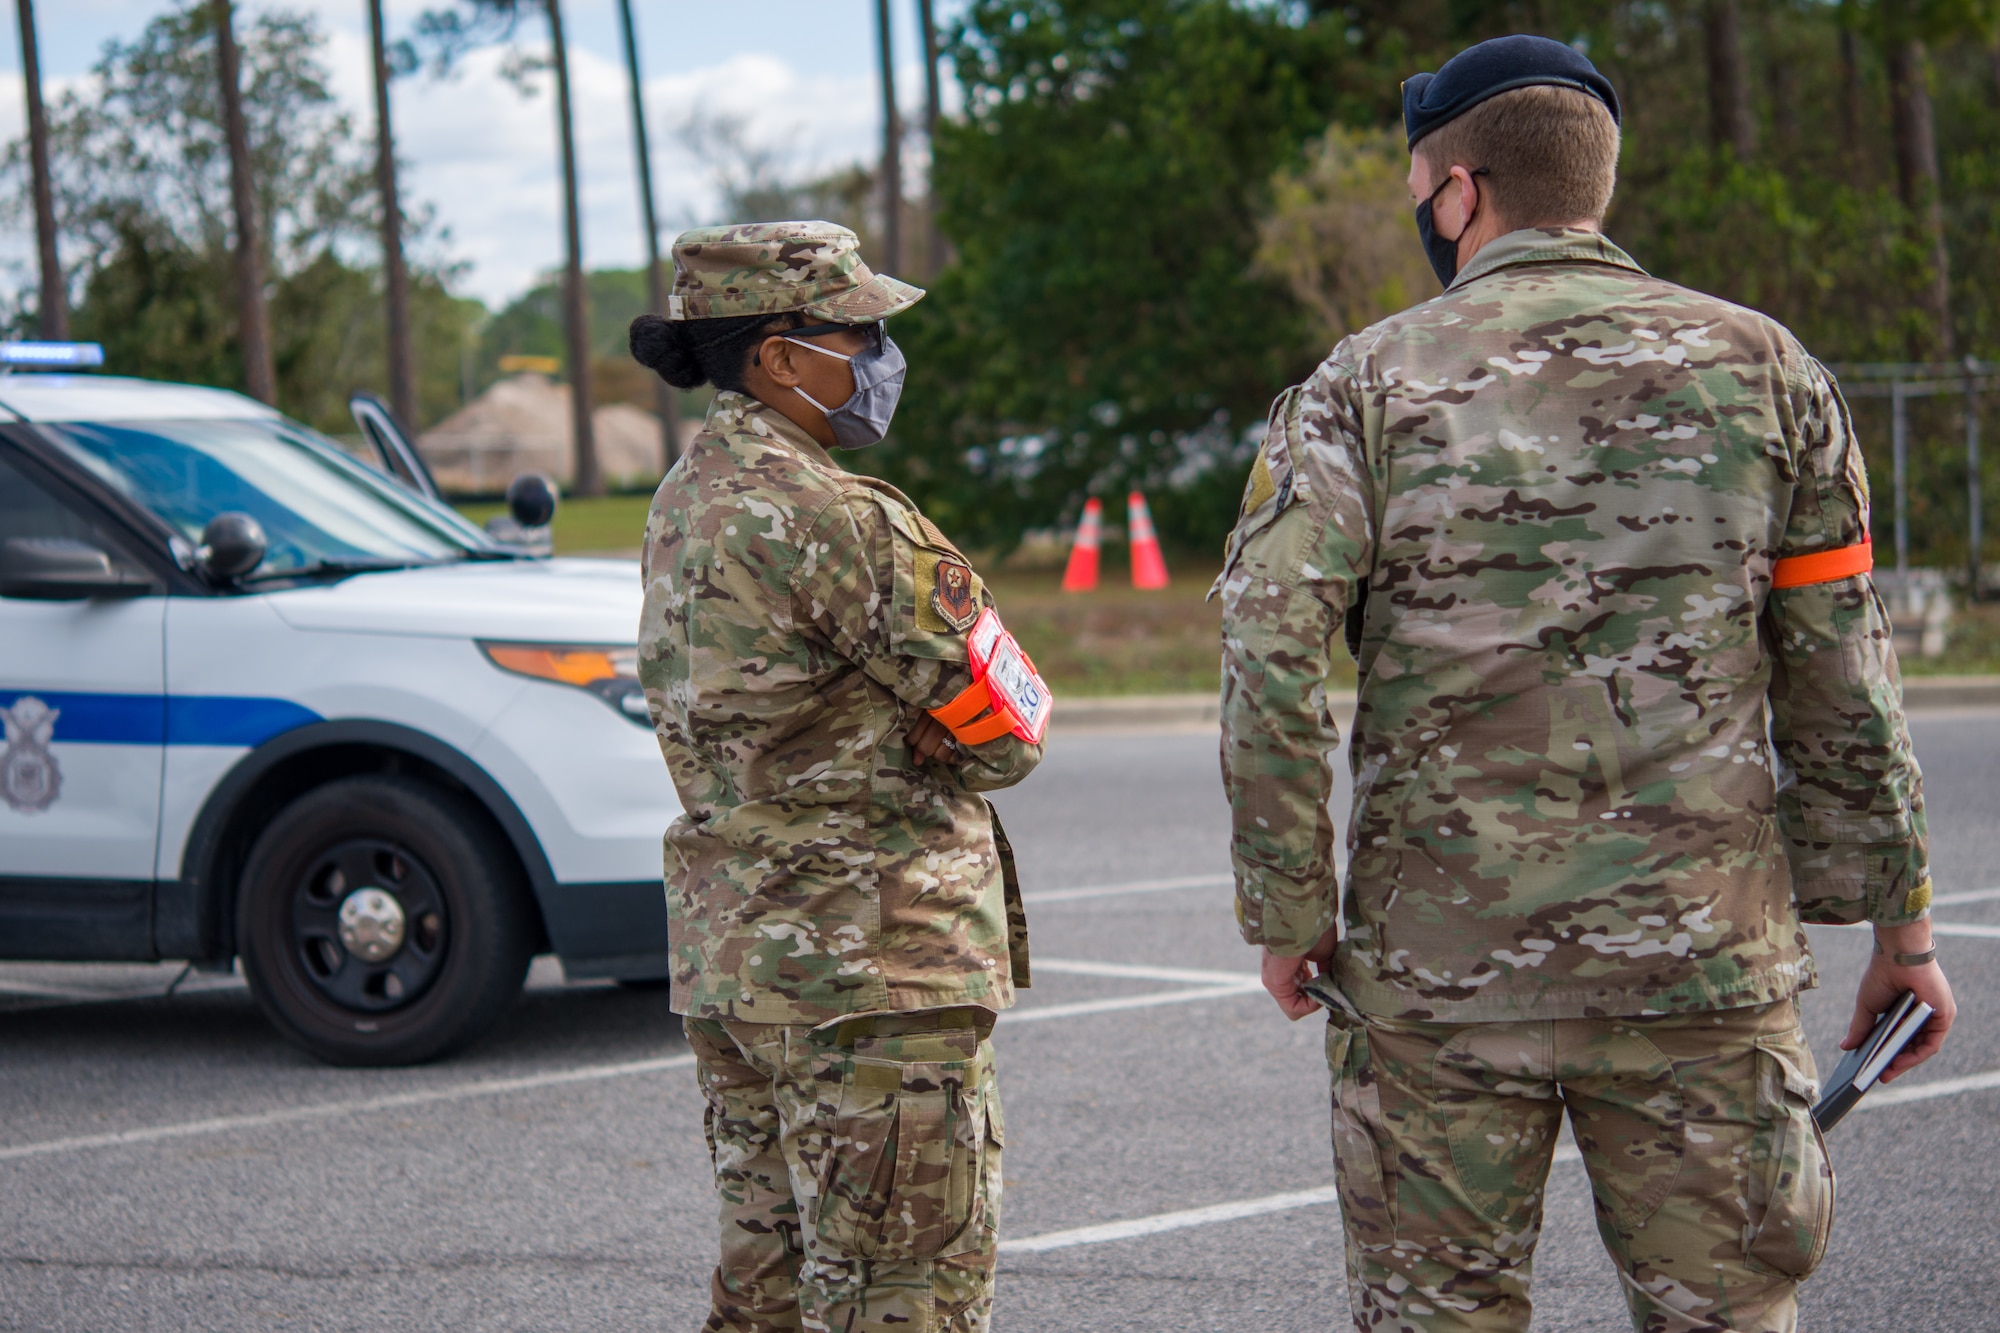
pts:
[663, 346]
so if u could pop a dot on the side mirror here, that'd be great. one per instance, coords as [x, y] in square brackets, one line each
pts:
[62, 569]
[531, 500]
[531, 505]
[231, 546]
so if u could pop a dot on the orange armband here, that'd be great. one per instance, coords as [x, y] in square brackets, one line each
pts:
[1798, 571]
[1004, 680]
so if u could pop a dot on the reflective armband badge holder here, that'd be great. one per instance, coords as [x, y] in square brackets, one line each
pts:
[1004, 681]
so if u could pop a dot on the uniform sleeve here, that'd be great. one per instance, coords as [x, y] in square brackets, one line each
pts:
[856, 582]
[1850, 798]
[1302, 546]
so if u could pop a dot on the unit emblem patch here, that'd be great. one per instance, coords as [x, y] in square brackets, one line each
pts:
[952, 596]
[30, 779]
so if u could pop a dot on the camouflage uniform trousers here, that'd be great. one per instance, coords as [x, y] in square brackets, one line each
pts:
[858, 1171]
[1713, 1190]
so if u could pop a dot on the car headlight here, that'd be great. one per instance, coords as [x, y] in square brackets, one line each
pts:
[611, 673]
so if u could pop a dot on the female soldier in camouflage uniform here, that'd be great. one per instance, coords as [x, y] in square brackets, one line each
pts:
[842, 908]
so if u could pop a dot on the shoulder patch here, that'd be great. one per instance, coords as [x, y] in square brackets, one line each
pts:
[945, 582]
[953, 595]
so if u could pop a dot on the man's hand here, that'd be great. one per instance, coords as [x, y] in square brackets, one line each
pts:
[1283, 976]
[930, 739]
[1884, 981]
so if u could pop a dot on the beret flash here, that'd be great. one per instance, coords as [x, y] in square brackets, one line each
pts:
[1494, 67]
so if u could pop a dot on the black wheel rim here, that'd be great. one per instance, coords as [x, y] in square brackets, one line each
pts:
[350, 981]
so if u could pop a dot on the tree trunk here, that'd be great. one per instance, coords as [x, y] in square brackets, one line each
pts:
[395, 274]
[656, 297]
[934, 251]
[1732, 123]
[1917, 178]
[576, 301]
[1850, 98]
[52, 298]
[892, 150]
[253, 331]
[1784, 84]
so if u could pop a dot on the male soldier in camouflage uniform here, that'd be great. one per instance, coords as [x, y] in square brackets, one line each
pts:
[1587, 534]
[842, 909]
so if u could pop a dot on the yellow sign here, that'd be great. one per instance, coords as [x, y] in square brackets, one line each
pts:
[513, 364]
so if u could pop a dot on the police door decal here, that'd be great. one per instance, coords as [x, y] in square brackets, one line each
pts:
[30, 778]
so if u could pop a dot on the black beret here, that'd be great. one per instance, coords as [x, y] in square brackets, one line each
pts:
[1495, 67]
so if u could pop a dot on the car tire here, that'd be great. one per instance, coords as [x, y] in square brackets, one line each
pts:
[381, 923]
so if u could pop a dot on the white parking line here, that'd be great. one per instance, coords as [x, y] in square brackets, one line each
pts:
[1205, 985]
[1150, 1226]
[1325, 1194]
[1967, 929]
[1923, 1092]
[1212, 986]
[1090, 967]
[1119, 890]
[1015, 1017]
[325, 1110]
[1968, 896]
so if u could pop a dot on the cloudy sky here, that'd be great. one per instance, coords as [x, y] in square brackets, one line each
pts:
[802, 73]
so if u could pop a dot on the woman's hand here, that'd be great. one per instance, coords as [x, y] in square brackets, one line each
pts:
[930, 740]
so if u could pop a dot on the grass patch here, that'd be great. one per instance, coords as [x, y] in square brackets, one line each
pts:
[609, 525]
[1119, 640]
[1116, 640]
[1972, 646]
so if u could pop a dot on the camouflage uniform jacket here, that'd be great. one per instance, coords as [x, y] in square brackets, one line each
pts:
[788, 642]
[1562, 486]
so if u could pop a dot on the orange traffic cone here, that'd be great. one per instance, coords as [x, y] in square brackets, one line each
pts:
[1081, 576]
[1149, 567]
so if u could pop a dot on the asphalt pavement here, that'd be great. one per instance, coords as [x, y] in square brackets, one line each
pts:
[167, 1163]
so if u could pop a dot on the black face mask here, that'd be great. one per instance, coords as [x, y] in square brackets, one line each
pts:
[1443, 254]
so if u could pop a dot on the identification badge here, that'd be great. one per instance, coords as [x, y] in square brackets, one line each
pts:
[1015, 689]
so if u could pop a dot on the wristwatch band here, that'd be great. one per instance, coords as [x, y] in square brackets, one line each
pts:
[1910, 959]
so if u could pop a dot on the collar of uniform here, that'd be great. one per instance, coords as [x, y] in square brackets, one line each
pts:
[1543, 245]
[732, 413]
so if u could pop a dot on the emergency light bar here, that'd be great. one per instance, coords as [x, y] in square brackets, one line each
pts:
[51, 356]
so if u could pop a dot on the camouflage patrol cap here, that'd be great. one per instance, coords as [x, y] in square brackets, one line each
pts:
[769, 268]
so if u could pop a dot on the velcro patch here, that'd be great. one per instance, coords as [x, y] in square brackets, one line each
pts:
[935, 536]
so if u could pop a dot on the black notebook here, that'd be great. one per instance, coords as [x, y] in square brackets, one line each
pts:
[1859, 1068]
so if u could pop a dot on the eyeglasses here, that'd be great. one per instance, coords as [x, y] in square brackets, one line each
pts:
[874, 331]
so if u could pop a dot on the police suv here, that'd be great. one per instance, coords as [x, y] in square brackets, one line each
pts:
[269, 703]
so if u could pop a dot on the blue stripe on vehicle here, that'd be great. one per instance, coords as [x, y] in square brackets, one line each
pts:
[194, 719]
[154, 719]
[102, 719]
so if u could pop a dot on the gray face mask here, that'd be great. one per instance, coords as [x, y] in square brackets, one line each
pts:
[878, 383]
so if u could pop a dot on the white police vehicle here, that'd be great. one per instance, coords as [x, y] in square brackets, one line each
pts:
[263, 702]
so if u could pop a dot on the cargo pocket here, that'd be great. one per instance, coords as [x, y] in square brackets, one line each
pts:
[1791, 1178]
[906, 1166]
[1357, 1161]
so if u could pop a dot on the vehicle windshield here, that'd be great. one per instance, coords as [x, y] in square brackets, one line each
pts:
[320, 509]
